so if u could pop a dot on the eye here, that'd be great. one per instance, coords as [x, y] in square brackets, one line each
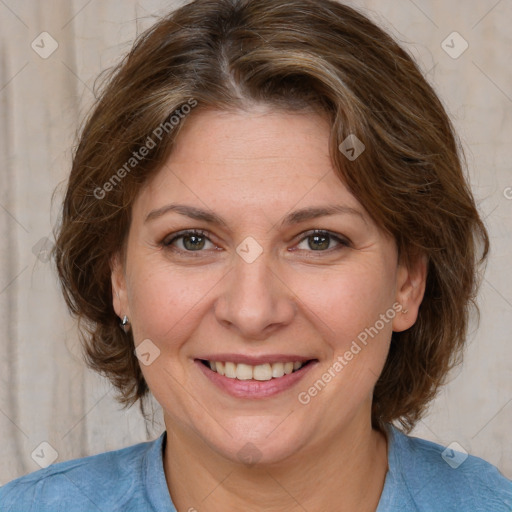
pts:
[320, 241]
[191, 241]
[188, 241]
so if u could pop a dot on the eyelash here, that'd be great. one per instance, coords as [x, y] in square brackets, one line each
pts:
[167, 244]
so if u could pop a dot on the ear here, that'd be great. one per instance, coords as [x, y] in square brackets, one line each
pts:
[410, 286]
[118, 280]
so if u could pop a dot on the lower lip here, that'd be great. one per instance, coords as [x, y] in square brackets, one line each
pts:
[255, 388]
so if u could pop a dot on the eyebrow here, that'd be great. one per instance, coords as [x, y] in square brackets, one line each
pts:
[295, 217]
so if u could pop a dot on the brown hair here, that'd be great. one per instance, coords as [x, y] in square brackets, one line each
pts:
[291, 55]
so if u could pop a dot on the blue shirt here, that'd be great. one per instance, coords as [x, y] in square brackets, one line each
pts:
[420, 478]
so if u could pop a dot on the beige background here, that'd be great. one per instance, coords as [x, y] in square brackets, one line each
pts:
[46, 394]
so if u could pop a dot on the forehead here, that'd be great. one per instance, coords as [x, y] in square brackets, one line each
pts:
[249, 160]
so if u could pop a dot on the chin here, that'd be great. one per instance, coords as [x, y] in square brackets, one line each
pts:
[257, 441]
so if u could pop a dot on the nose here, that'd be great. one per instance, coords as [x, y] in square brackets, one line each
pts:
[255, 300]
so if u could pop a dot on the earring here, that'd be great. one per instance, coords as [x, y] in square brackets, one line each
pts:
[125, 324]
[404, 311]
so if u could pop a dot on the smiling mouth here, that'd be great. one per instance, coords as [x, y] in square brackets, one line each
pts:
[259, 372]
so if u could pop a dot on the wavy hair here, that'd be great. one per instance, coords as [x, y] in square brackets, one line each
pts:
[292, 55]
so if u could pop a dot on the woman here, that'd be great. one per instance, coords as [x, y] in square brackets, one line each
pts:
[268, 227]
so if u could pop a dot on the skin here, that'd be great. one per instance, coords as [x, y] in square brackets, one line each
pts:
[252, 168]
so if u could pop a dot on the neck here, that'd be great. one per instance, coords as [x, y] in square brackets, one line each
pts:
[343, 473]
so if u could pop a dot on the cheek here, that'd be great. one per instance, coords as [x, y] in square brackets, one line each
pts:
[344, 301]
[165, 300]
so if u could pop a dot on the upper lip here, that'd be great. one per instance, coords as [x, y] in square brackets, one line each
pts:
[255, 360]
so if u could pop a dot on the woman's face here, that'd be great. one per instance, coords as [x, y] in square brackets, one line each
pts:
[223, 265]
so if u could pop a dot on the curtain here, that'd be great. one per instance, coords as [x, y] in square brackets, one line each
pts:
[51, 406]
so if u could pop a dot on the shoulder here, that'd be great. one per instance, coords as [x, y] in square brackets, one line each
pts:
[108, 481]
[435, 477]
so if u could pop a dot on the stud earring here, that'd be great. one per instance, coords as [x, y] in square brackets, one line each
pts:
[125, 324]
[404, 311]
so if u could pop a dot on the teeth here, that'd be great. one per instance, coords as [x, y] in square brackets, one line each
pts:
[277, 369]
[265, 371]
[230, 370]
[220, 368]
[262, 372]
[243, 372]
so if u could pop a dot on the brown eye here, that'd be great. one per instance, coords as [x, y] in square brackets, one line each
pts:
[320, 241]
[317, 242]
[193, 242]
[188, 241]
